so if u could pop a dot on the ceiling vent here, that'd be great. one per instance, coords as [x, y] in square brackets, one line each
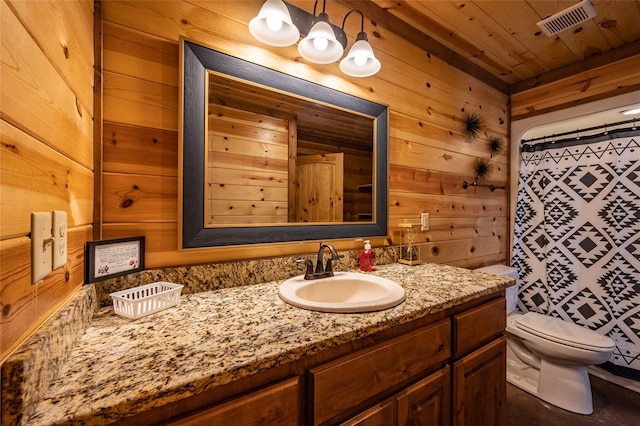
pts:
[568, 18]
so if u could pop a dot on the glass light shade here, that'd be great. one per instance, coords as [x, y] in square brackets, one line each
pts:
[360, 61]
[273, 25]
[310, 47]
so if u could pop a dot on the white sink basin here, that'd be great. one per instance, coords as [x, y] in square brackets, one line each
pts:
[345, 292]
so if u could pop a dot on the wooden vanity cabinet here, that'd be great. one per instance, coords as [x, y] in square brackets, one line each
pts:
[448, 372]
[480, 366]
[471, 392]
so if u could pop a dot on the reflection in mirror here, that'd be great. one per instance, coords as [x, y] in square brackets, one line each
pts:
[274, 158]
[267, 157]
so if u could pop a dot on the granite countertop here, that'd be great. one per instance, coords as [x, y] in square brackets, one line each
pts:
[122, 367]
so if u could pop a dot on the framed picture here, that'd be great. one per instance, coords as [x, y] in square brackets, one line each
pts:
[113, 258]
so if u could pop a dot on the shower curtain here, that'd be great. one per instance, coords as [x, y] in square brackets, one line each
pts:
[577, 237]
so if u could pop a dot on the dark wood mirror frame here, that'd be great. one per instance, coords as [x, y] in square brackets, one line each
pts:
[196, 60]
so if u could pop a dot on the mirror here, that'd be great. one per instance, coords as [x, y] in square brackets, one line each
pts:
[275, 158]
[267, 157]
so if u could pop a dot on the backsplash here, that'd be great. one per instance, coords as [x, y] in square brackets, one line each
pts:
[30, 370]
[199, 278]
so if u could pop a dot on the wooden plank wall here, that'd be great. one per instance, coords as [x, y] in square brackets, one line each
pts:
[247, 167]
[599, 83]
[46, 151]
[429, 157]
[46, 126]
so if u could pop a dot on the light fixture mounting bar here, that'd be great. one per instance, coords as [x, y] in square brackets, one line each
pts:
[304, 20]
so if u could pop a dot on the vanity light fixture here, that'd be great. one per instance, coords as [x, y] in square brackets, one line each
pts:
[280, 24]
[360, 61]
[273, 25]
[631, 111]
[320, 46]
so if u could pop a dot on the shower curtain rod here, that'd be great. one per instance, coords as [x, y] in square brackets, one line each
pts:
[578, 131]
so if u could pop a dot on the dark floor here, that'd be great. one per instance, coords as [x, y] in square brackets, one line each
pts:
[612, 405]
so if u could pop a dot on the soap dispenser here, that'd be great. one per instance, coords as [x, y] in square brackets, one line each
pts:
[367, 258]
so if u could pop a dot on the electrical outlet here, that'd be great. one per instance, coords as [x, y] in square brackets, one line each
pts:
[59, 238]
[424, 221]
[41, 246]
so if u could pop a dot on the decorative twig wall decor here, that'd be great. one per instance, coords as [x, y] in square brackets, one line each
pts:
[496, 143]
[482, 168]
[472, 125]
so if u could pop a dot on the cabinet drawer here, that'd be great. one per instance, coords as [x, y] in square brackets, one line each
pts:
[342, 385]
[478, 325]
[276, 405]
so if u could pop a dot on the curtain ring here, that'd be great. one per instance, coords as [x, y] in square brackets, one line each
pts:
[606, 131]
[577, 134]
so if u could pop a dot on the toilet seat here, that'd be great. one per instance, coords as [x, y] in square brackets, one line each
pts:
[563, 332]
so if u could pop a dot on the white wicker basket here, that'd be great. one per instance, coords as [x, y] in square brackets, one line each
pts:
[146, 299]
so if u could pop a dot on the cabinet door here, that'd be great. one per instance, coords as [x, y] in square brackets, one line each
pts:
[427, 402]
[275, 405]
[480, 386]
[346, 383]
[383, 414]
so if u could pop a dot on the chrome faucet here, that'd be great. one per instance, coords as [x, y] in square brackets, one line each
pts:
[320, 270]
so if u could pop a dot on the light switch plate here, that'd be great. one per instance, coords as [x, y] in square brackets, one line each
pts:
[41, 246]
[424, 221]
[59, 238]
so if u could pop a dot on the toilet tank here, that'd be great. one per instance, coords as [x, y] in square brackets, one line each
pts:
[511, 293]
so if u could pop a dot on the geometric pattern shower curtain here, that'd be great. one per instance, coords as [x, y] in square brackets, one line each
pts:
[577, 237]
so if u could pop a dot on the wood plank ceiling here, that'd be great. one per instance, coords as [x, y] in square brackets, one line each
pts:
[500, 38]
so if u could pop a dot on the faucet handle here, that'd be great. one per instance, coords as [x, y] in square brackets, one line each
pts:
[328, 268]
[308, 274]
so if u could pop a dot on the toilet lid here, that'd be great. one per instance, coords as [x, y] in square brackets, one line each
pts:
[564, 332]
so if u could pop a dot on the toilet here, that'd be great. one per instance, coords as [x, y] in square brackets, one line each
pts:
[547, 356]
